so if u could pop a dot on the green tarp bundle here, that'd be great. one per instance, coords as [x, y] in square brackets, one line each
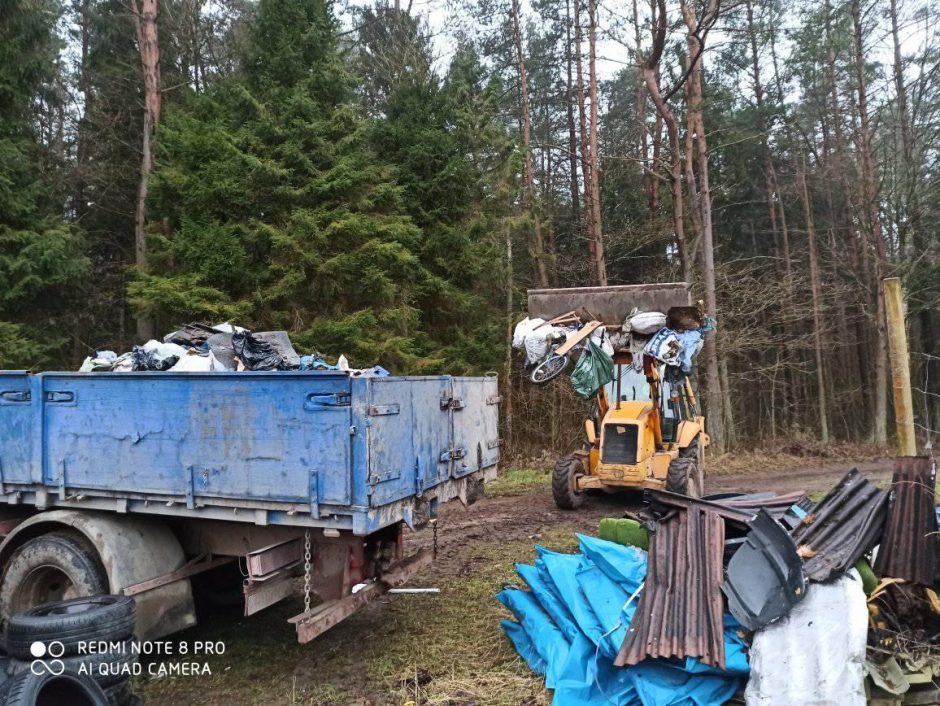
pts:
[594, 370]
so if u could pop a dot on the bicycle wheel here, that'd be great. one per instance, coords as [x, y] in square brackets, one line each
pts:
[548, 369]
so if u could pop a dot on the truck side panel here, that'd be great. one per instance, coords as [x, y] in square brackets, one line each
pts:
[276, 437]
[476, 433]
[409, 435]
[17, 410]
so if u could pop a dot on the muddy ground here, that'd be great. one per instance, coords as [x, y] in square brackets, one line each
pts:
[431, 649]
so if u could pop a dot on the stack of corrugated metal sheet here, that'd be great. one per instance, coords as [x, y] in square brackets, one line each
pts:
[845, 525]
[909, 547]
[680, 609]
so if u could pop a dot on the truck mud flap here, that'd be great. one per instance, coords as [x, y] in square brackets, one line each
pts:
[321, 618]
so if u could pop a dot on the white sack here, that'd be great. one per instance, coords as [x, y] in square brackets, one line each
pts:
[645, 323]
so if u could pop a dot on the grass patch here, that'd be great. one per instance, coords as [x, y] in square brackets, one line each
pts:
[786, 454]
[450, 641]
[517, 481]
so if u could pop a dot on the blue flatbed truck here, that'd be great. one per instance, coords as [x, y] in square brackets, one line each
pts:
[151, 484]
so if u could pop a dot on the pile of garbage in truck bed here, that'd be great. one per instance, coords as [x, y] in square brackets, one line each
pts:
[221, 348]
[768, 599]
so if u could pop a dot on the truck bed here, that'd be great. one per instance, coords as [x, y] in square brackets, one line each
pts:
[312, 449]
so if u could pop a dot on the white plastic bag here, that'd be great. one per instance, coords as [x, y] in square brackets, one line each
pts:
[602, 340]
[162, 351]
[192, 362]
[522, 331]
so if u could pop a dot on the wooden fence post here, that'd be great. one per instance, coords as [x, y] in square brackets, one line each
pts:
[899, 359]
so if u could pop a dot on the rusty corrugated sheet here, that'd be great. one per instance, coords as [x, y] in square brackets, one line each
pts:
[908, 549]
[675, 500]
[770, 502]
[680, 610]
[842, 527]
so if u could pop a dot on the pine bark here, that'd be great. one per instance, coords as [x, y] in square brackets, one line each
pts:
[650, 70]
[145, 22]
[572, 129]
[816, 290]
[538, 246]
[713, 396]
[872, 217]
[600, 262]
[587, 175]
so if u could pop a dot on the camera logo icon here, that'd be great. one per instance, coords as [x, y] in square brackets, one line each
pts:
[47, 656]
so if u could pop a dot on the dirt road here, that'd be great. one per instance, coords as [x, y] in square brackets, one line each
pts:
[444, 648]
[529, 513]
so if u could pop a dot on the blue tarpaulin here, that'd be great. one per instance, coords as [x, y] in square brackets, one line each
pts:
[570, 623]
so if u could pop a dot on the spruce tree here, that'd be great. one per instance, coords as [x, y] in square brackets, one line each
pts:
[40, 255]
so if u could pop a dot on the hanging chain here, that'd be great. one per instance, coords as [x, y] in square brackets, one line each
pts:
[307, 571]
[434, 532]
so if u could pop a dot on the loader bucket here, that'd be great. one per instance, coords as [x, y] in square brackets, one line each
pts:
[609, 305]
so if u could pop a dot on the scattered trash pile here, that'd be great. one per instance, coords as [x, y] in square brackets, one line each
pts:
[673, 338]
[198, 348]
[770, 598]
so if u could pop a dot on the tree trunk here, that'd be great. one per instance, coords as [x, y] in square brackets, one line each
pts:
[778, 228]
[651, 78]
[510, 325]
[145, 21]
[538, 247]
[872, 216]
[600, 262]
[909, 165]
[816, 289]
[82, 139]
[694, 106]
[650, 180]
[585, 157]
[572, 130]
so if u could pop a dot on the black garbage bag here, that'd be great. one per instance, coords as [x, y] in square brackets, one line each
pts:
[190, 335]
[148, 361]
[221, 346]
[261, 352]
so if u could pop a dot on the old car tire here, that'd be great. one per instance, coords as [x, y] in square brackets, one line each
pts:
[685, 472]
[567, 469]
[106, 668]
[696, 452]
[51, 567]
[28, 689]
[89, 618]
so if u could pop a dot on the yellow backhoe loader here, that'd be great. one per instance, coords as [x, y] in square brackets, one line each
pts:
[651, 434]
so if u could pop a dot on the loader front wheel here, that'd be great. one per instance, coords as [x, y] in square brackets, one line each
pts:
[564, 482]
[686, 475]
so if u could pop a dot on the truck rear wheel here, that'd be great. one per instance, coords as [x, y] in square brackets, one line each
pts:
[686, 475]
[52, 567]
[564, 479]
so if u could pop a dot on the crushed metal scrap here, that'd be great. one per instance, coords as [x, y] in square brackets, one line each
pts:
[908, 549]
[842, 527]
[680, 610]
